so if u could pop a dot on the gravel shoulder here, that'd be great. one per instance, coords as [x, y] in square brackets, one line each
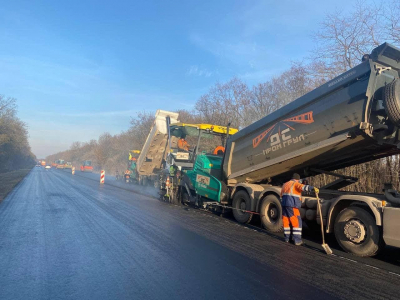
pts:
[9, 180]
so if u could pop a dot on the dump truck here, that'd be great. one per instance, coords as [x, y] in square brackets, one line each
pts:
[151, 160]
[192, 139]
[352, 119]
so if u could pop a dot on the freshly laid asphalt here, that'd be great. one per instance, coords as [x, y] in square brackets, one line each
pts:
[68, 237]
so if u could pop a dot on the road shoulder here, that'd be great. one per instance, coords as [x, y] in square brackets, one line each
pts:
[10, 180]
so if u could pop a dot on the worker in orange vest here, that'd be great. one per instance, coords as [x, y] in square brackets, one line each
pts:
[291, 203]
[219, 150]
[183, 144]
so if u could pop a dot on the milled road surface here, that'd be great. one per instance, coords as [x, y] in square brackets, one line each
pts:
[66, 237]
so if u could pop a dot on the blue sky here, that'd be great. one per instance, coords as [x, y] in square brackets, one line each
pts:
[80, 68]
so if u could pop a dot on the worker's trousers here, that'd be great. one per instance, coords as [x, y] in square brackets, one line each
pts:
[292, 223]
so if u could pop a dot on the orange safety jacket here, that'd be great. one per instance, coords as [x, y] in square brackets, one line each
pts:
[219, 148]
[182, 144]
[291, 193]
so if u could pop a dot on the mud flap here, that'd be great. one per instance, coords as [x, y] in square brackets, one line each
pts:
[391, 226]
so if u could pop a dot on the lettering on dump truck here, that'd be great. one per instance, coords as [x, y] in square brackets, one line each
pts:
[279, 144]
[282, 138]
[341, 78]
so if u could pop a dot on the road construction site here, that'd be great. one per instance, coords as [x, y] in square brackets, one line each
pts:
[66, 236]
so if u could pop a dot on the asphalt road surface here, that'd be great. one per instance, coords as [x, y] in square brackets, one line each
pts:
[67, 237]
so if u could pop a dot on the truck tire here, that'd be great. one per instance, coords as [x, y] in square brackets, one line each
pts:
[271, 213]
[241, 201]
[392, 101]
[357, 233]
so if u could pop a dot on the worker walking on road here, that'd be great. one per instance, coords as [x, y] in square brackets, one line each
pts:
[291, 203]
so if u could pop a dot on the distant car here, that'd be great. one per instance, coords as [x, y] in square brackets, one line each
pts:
[37, 166]
[47, 167]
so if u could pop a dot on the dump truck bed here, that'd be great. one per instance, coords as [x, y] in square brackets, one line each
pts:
[331, 127]
[154, 149]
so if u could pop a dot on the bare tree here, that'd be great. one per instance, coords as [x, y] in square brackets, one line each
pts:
[140, 128]
[15, 152]
[392, 17]
[271, 95]
[225, 103]
[8, 106]
[343, 38]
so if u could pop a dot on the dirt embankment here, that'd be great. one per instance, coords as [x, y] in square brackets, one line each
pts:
[9, 180]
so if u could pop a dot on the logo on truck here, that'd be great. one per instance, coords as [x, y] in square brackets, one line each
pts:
[283, 129]
[203, 179]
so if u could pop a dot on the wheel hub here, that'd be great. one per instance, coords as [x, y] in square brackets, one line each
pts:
[355, 231]
[273, 212]
[243, 205]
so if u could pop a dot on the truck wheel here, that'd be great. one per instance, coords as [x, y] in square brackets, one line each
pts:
[357, 232]
[241, 201]
[392, 101]
[271, 214]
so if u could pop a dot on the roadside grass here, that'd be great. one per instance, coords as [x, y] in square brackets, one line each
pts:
[9, 180]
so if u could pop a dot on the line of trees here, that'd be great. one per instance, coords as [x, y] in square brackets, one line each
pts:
[340, 42]
[15, 152]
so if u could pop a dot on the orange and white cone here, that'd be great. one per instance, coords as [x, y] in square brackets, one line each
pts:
[102, 175]
[73, 170]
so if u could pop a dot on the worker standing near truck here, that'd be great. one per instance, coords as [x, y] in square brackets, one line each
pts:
[291, 204]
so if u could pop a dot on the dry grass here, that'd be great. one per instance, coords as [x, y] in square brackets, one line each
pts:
[9, 180]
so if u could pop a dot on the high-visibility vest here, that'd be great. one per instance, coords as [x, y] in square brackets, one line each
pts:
[291, 193]
[182, 144]
[219, 148]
